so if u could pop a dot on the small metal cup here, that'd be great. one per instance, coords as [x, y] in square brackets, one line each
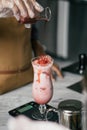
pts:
[70, 114]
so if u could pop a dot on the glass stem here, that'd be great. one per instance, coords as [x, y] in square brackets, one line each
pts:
[42, 109]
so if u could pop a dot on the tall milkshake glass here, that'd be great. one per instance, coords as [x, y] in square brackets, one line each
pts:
[42, 89]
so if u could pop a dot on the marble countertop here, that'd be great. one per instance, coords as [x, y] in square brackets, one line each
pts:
[23, 95]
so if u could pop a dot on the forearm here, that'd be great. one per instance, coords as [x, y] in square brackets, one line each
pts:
[37, 47]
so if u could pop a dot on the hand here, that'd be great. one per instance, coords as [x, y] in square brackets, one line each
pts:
[39, 50]
[24, 123]
[57, 71]
[23, 8]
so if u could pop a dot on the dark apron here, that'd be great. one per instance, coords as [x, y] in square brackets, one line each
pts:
[15, 55]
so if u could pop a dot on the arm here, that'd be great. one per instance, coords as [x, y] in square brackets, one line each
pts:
[38, 50]
[36, 45]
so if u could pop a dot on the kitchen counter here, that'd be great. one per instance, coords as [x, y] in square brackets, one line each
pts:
[23, 95]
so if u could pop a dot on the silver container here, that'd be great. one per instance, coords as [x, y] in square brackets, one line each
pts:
[70, 114]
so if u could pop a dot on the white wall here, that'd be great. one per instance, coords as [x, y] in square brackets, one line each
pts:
[63, 28]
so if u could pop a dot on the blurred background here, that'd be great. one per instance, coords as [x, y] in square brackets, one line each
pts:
[65, 35]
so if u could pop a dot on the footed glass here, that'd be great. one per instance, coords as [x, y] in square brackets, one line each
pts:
[42, 89]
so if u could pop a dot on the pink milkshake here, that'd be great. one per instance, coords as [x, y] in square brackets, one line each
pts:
[42, 85]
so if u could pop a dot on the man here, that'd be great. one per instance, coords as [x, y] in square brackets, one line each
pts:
[16, 44]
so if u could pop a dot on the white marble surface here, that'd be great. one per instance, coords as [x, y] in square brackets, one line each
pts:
[23, 95]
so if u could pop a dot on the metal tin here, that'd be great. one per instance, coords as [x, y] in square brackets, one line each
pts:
[70, 114]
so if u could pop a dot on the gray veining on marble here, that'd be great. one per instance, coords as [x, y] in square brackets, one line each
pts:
[23, 95]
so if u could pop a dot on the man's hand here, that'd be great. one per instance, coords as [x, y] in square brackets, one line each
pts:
[57, 71]
[22, 8]
[39, 50]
